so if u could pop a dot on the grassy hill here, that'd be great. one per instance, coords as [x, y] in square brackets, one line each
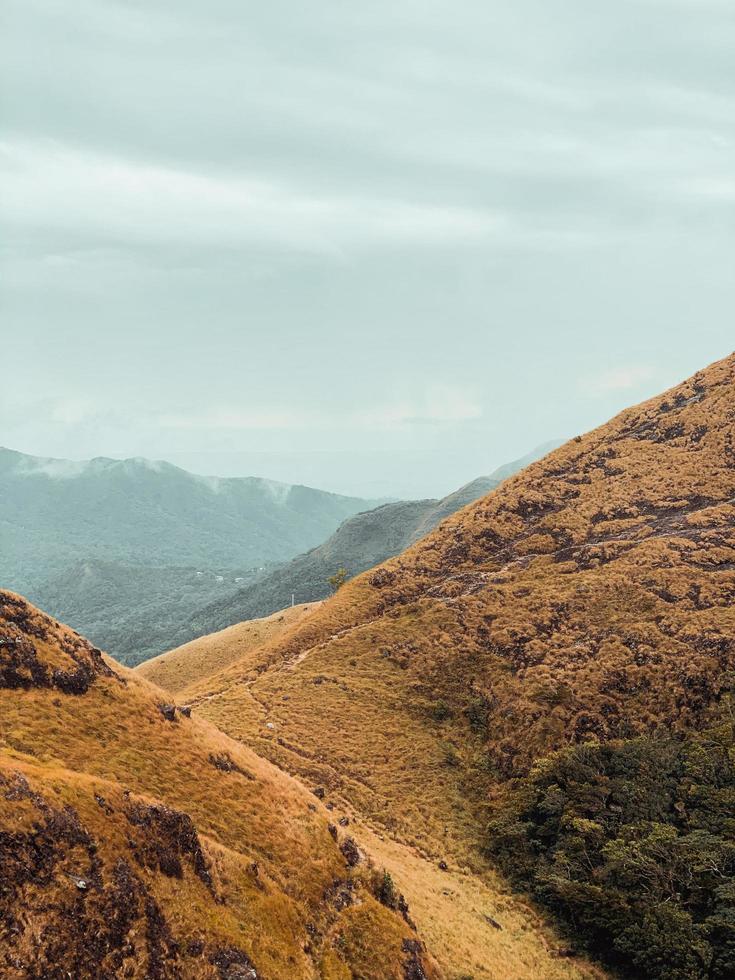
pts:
[138, 842]
[360, 543]
[200, 659]
[467, 684]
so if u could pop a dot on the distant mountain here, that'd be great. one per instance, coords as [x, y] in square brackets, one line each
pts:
[362, 541]
[56, 513]
[132, 611]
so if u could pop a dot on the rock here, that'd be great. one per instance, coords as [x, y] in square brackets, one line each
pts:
[233, 964]
[493, 922]
[332, 830]
[413, 968]
[443, 866]
[168, 711]
[320, 792]
[225, 763]
[185, 710]
[344, 821]
[350, 851]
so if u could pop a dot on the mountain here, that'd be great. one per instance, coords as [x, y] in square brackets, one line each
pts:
[137, 841]
[547, 682]
[139, 512]
[132, 611]
[361, 542]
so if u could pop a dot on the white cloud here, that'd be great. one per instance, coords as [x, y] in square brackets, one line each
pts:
[52, 187]
[438, 405]
[616, 379]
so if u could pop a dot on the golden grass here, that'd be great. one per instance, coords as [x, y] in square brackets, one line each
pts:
[184, 666]
[113, 740]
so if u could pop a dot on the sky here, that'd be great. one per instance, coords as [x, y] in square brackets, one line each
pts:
[379, 248]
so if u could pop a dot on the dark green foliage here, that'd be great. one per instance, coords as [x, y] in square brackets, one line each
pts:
[633, 844]
[386, 892]
[337, 580]
[440, 710]
[477, 712]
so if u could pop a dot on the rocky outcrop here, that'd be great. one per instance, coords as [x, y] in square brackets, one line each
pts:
[36, 652]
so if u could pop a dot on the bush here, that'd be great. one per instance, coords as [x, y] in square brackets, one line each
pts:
[440, 711]
[633, 842]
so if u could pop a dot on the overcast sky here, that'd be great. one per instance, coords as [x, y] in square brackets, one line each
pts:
[380, 247]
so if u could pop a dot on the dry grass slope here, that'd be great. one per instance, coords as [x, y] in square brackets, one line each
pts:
[589, 597]
[199, 659]
[138, 842]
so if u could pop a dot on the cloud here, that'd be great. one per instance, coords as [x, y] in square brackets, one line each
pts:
[55, 188]
[438, 405]
[617, 379]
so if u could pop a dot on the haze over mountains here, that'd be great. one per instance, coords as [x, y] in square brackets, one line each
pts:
[88, 539]
[546, 681]
[151, 513]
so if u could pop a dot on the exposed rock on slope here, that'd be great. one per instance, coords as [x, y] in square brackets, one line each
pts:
[138, 842]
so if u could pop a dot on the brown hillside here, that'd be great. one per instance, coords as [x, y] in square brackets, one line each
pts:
[199, 659]
[138, 842]
[590, 596]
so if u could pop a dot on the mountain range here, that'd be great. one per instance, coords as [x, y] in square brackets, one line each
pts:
[124, 550]
[138, 554]
[140, 512]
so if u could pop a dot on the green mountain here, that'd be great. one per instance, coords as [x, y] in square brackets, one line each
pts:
[133, 610]
[123, 550]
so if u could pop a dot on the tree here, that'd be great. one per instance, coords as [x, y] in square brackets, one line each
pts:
[339, 578]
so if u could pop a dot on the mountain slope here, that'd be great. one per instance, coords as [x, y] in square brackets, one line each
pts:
[140, 512]
[588, 599]
[132, 611]
[138, 842]
[200, 659]
[361, 542]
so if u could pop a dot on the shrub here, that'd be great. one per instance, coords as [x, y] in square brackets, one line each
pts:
[633, 842]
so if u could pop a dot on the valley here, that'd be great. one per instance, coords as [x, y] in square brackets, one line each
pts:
[506, 752]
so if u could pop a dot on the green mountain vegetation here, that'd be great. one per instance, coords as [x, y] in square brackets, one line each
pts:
[132, 611]
[632, 844]
[140, 512]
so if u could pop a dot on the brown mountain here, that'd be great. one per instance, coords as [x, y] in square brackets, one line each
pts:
[136, 841]
[587, 600]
